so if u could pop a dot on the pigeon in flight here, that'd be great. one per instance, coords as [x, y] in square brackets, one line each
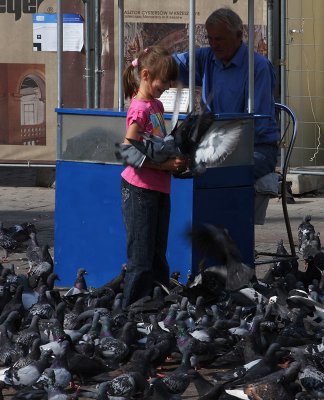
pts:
[216, 242]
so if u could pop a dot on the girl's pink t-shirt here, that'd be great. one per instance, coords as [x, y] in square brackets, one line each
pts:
[148, 114]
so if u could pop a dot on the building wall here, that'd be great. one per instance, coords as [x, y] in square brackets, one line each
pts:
[305, 78]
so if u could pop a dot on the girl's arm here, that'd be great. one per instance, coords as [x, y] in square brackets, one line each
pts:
[133, 132]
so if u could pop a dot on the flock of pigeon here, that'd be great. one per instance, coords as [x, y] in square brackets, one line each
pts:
[225, 333]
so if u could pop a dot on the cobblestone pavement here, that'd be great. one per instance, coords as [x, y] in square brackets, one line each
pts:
[267, 235]
[22, 201]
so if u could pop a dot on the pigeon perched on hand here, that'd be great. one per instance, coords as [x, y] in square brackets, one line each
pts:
[157, 148]
[206, 140]
[201, 137]
[130, 154]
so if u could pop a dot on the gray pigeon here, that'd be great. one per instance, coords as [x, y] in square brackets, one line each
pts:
[80, 285]
[305, 228]
[200, 136]
[158, 149]
[7, 243]
[130, 155]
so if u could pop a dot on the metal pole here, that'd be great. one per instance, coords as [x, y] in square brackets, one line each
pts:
[270, 30]
[28, 165]
[251, 55]
[59, 76]
[97, 54]
[87, 75]
[282, 72]
[192, 53]
[59, 53]
[120, 54]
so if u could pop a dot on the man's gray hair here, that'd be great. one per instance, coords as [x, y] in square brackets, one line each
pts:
[227, 16]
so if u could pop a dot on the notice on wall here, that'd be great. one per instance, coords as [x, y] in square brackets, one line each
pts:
[45, 32]
[170, 11]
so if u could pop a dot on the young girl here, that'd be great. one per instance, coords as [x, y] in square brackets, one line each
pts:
[146, 187]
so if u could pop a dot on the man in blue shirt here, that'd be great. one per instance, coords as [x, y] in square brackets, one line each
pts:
[222, 72]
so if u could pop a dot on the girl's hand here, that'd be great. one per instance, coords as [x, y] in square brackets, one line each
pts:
[178, 164]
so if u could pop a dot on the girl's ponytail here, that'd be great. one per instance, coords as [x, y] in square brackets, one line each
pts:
[130, 81]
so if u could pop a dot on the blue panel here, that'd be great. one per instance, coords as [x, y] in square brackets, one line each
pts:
[231, 208]
[88, 223]
[179, 252]
[89, 231]
[234, 176]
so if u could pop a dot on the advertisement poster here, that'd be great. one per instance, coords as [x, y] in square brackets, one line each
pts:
[28, 79]
[166, 23]
[28, 83]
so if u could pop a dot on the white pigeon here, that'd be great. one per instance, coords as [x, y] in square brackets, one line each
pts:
[218, 142]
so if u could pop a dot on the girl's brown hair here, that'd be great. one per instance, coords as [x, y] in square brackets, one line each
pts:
[158, 61]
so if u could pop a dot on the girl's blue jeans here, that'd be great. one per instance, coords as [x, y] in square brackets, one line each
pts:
[146, 216]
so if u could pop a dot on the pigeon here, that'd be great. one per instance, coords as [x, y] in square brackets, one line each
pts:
[79, 364]
[14, 304]
[218, 143]
[10, 352]
[305, 228]
[33, 252]
[310, 377]
[200, 137]
[28, 375]
[315, 241]
[33, 355]
[59, 369]
[80, 284]
[156, 148]
[274, 385]
[21, 232]
[314, 267]
[116, 284]
[7, 243]
[70, 320]
[267, 365]
[27, 336]
[160, 391]
[42, 308]
[54, 389]
[283, 267]
[205, 351]
[110, 348]
[216, 242]
[41, 270]
[178, 380]
[128, 385]
[129, 154]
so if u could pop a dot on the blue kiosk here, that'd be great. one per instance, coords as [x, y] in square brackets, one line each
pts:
[89, 230]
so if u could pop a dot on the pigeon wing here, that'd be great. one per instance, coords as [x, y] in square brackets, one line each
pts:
[130, 155]
[218, 143]
[158, 149]
[238, 275]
